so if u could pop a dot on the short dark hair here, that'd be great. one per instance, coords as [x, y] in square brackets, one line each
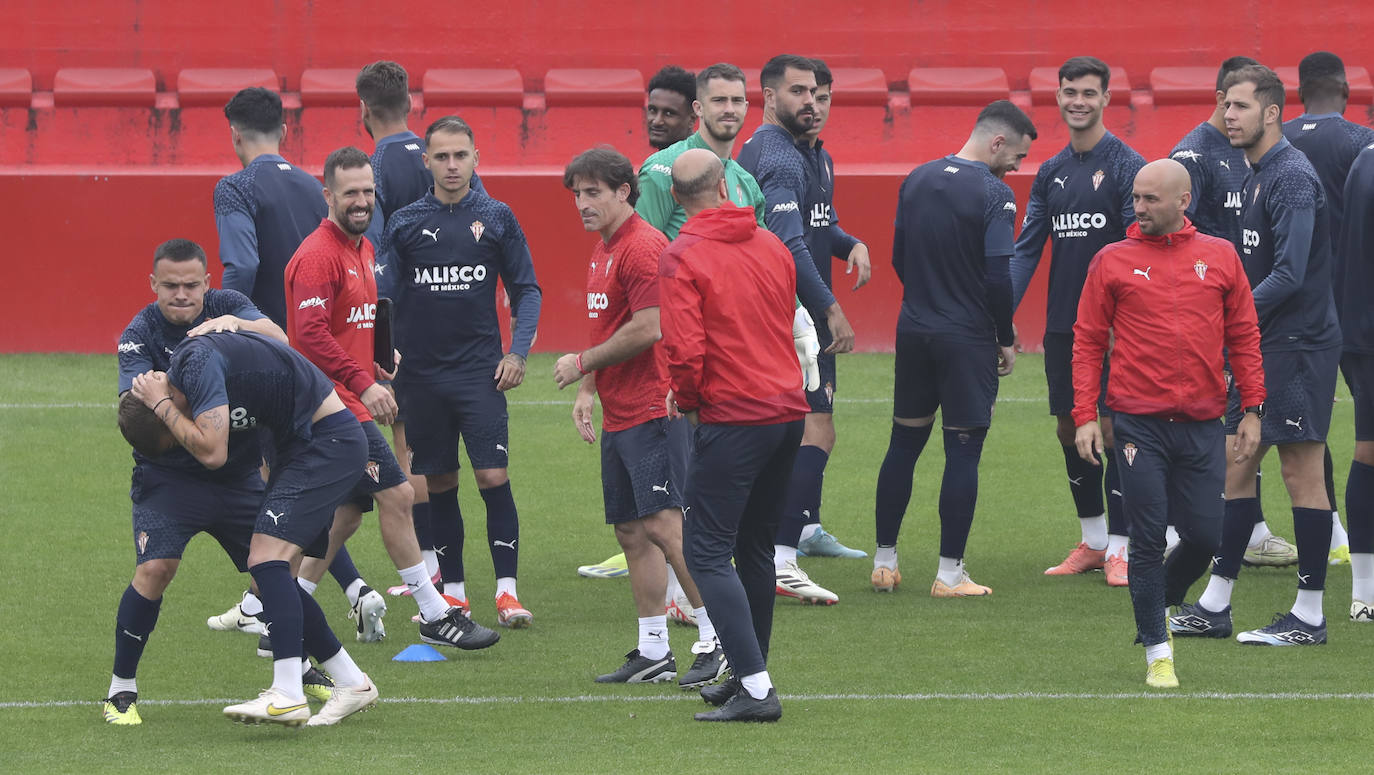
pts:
[605, 164]
[452, 125]
[1321, 74]
[722, 70]
[691, 189]
[823, 74]
[255, 109]
[1268, 87]
[345, 158]
[179, 250]
[1230, 66]
[775, 68]
[1007, 118]
[385, 88]
[1077, 67]
[674, 78]
[141, 428]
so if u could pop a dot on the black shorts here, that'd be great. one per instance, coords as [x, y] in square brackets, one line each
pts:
[644, 468]
[960, 378]
[1358, 369]
[170, 507]
[1299, 387]
[1059, 375]
[440, 414]
[311, 478]
[382, 471]
[822, 399]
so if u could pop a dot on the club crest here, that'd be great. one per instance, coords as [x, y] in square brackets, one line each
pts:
[374, 470]
[477, 228]
[1098, 177]
[1201, 268]
[1128, 452]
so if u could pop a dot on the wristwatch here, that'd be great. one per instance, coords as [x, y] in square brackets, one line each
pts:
[1257, 410]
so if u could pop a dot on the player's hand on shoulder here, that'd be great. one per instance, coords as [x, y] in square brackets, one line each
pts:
[510, 372]
[858, 259]
[220, 325]
[380, 404]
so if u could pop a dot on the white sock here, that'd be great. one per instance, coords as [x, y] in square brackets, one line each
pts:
[305, 665]
[757, 684]
[505, 585]
[1118, 545]
[309, 586]
[1339, 537]
[118, 685]
[286, 678]
[250, 605]
[1170, 538]
[809, 530]
[885, 557]
[705, 630]
[1259, 533]
[674, 588]
[456, 589]
[354, 590]
[783, 555]
[416, 577]
[1217, 596]
[344, 670]
[1362, 577]
[431, 562]
[1158, 651]
[950, 571]
[1308, 606]
[653, 637]
[1094, 531]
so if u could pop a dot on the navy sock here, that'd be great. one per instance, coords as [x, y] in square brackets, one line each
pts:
[319, 641]
[1236, 523]
[803, 494]
[1359, 507]
[281, 607]
[446, 526]
[1085, 484]
[343, 570]
[1258, 515]
[894, 479]
[503, 529]
[134, 622]
[959, 489]
[1312, 530]
[419, 513]
[1116, 515]
[1329, 471]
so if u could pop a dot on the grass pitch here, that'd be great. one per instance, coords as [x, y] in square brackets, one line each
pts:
[1040, 677]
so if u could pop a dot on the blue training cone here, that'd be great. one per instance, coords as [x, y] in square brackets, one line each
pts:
[419, 652]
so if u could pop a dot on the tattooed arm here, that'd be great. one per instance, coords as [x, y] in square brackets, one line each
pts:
[206, 436]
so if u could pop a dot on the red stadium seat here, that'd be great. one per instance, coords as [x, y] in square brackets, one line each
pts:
[570, 87]
[16, 87]
[1184, 85]
[957, 85]
[1045, 80]
[1361, 89]
[329, 87]
[215, 86]
[464, 87]
[859, 86]
[125, 87]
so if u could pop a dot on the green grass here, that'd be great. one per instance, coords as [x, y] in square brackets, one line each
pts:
[1040, 677]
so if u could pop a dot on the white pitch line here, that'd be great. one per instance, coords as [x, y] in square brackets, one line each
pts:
[92, 405]
[913, 697]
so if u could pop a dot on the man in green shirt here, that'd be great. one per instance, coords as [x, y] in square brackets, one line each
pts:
[721, 106]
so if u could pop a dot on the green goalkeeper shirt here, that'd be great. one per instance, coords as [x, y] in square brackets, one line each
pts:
[656, 204]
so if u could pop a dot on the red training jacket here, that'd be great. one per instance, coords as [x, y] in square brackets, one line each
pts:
[727, 291]
[1173, 302]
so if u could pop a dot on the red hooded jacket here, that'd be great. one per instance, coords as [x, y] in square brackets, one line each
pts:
[1173, 302]
[727, 293]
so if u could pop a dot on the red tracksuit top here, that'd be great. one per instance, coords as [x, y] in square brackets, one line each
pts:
[1172, 302]
[727, 294]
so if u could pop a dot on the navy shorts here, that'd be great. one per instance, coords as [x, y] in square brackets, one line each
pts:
[822, 399]
[1299, 386]
[311, 478]
[382, 471]
[442, 413]
[643, 468]
[1358, 369]
[170, 507]
[1059, 375]
[960, 378]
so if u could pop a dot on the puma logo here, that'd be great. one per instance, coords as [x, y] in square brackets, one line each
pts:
[276, 518]
[508, 544]
[1295, 423]
[1144, 272]
[663, 489]
[1062, 181]
[434, 235]
[1076, 482]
